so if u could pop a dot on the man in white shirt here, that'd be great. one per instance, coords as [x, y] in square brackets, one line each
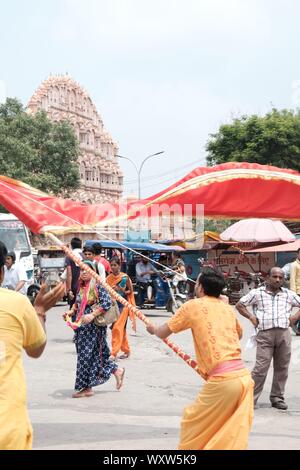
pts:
[272, 315]
[73, 271]
[15, 276]
[143, 270]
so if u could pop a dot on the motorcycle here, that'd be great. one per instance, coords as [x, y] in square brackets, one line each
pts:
[178, 294]
[144, 292]
[32, 292]
[49, 266]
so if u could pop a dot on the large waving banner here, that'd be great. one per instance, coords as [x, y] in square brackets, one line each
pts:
[231, 190]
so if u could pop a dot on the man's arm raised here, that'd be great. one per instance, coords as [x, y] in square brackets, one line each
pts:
[43, 302]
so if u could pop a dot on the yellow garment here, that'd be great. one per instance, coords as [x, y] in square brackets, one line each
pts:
[215, 330]
[221, 416]
[19, 328]
[295, 276]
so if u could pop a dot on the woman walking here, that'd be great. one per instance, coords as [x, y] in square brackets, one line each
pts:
[123, 286]
[94, 366]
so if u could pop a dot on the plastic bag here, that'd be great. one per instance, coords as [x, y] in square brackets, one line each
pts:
[251, 342]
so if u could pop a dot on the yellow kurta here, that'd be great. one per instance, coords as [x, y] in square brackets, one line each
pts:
[19, 328]
[221, 416]
[295, 276]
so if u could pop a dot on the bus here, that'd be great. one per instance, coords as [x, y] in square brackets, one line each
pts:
[15, 237]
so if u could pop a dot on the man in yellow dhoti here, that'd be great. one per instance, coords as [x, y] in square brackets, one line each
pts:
[221, 415]
[21, 327]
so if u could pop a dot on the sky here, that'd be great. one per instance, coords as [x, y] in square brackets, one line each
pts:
[163, 74]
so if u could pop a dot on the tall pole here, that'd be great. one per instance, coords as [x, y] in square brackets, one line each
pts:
[139, 170]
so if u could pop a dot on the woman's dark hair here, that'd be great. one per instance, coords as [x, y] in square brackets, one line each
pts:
[213, 282]
[89, 248]
[115, 259]
[90, 264]
[3, 254]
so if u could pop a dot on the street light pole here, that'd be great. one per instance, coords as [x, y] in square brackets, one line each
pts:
[139, 170]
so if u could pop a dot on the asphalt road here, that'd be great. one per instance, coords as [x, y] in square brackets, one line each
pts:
[146, 413]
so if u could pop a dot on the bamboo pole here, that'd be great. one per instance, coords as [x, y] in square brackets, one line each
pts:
[191, 362]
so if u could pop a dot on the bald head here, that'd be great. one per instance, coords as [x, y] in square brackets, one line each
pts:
[275, 279]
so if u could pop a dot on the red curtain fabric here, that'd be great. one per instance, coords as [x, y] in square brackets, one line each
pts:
[231, 190]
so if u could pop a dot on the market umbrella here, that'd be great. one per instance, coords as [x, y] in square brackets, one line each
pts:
[258, 231]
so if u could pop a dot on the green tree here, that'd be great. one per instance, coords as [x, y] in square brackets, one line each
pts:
[217, 225]
[37, 151]
[273, 139]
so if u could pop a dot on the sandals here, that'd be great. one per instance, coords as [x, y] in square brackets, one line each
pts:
[120, 379]
[124, 356]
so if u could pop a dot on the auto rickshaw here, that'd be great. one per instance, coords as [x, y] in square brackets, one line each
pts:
[49, 267]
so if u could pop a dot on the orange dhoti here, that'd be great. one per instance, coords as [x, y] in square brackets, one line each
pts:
[221, 416]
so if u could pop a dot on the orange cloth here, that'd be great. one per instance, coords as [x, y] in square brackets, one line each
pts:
[215, 330]
[221, 416]
[119, 335]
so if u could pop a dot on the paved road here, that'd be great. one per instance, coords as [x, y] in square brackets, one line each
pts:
[146, 413]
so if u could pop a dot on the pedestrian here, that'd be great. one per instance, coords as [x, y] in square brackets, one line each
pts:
[89, 252]
[295, 274]
[93, 364]
[122, 284]
[144, 270]
[100, 258]
[295, 284]
[73, 271]
[221, 415]
[15, 276]
[272, 307]
[22, 326]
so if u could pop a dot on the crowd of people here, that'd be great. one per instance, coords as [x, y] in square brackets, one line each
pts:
[221, 415]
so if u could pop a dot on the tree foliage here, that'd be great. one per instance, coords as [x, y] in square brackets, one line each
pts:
[273, 139]
[217, 225]
[37, 151]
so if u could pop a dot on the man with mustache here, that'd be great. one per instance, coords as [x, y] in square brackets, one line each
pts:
[271, 314]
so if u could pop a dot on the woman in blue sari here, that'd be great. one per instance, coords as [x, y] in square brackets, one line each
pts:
[93, 364]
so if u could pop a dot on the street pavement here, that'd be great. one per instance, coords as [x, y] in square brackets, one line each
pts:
[146, 412]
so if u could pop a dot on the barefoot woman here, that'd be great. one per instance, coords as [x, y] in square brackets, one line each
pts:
[93, 364]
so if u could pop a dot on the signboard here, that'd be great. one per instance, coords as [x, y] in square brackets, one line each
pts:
[50, 263]
[250, 262]
[11, 225]
[138, 236]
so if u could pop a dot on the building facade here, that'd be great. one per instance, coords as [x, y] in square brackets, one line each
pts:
[101, 179]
